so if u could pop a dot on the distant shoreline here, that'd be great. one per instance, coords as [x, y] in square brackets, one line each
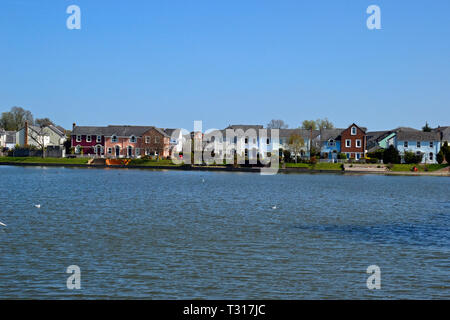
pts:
[226, 169]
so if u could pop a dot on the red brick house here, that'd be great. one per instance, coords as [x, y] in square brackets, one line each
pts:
[353, 142]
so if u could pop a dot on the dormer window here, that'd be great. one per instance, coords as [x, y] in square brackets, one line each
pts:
[114, 138]
[99, 138]
[331, 143]
[88, 138]
[353, 130]
[132, 139]
[78, 138]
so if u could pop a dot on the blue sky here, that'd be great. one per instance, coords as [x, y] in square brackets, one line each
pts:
[168, 63]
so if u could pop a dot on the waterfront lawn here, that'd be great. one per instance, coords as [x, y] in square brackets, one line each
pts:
[44, 160]
[152, 163]
[317, 166]
[420, 167]
[298, 165]
[327, 166]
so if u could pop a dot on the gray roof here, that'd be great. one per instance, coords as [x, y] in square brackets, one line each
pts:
[120, 131]
[306, 134]
[446, 134]
[57, 130]
[408, 135]
[327, 134]
[245, 127]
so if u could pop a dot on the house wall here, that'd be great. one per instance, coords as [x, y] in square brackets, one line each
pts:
[153, 142]
[123, 143]
[353, 150]
[331, 151]
[424, 148]
[88, 147]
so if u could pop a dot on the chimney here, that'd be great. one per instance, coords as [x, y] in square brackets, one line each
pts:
[26, 133]
[73, 125]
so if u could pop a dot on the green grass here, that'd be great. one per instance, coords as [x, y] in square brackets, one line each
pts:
[44, 160]
[317, 166]
[327, 166]
[151, 163]
[408, 167]
[298, 165]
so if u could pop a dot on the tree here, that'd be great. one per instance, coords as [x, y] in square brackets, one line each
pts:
[44, 122]
[440, 157]
[391, 155]
[14, 120]
[309, 125]
[426, 128]
[446, 151]
[277, 124]
[324, 124]
[296, 143]
[39, 136]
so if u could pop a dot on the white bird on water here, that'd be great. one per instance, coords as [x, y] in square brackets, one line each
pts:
[2, 224]
[37, 206]
[274, 207]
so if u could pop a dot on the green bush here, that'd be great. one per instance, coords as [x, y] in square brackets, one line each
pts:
[411, 157]
[391, 155]
[440, 157]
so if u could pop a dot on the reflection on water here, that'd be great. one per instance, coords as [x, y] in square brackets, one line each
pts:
[165, 234]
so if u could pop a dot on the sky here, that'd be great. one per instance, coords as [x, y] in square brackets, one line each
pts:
[168, 63]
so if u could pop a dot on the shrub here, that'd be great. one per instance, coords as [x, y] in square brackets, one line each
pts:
[412, 158]
[440, 157]
[342, 156]
[391, 155]
[313, 160]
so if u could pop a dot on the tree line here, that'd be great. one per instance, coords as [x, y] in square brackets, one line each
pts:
[15, 119]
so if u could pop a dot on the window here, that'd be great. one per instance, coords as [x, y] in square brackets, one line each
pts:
[109, 150]
[353, 131]
[78, 138]
[88, 138]
[331, 143]
[138, 151]
[114, 138]
[156, 139]
[348, 155]
[431, 156]
[99, 138]
[77, 149]
[358, 156]
[405, 144]
[358, 143]
[431, 144]
[246, 140]
[147, 139]
[132, 139]
[268, 141]
[348, 143]
[418, 144]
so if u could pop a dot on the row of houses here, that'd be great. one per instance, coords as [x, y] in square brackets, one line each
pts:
[123, 141]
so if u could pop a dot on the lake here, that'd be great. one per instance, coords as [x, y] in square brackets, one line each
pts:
[146, 234]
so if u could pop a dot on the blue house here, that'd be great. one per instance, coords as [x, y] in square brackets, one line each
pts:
[330, 143]
[426, 144]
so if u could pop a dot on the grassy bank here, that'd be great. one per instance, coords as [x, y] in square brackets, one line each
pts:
[317, 166]
[44, 160]
[421, 168]
[152, 163]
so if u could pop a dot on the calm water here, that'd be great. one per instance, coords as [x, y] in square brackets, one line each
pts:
[154, 234]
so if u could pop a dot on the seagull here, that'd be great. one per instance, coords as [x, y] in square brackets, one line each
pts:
[37, 206]
[2, 224]
[274, 207]
[203, 180]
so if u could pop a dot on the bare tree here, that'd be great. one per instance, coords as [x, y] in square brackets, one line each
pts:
[277, 124]
[38, 135]
[324, 124]
[296, 143]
